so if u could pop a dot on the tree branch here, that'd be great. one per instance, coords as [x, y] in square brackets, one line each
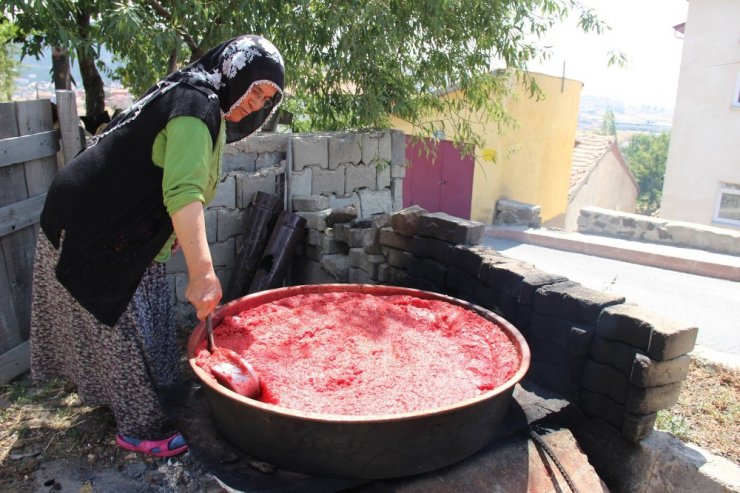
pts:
[159, 8]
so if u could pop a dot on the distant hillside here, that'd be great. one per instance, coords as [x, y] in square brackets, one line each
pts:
[641, 118]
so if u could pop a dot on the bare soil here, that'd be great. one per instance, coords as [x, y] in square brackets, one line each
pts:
[46, 431]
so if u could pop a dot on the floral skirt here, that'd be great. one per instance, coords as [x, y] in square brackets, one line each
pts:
[119, 367]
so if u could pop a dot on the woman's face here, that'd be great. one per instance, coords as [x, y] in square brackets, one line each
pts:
[256, 98]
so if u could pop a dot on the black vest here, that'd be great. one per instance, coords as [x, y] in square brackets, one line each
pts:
[107, 203]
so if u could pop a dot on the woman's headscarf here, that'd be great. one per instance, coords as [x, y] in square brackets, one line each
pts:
[230, 70]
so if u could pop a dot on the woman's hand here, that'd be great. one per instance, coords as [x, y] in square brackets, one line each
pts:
[204, 288]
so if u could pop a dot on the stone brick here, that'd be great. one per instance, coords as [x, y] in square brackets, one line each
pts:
[406, 221]
[329, 246]
[470, 258]
[572, 301]
[361, 260]
[544, 350]
[652, 399]
[397, 258]
[339, 201]
[359, 276]
[601, 406]
[383, 173]
[299, 183]
[496, 301]
[310, 151]
[428, 269]
[604, 379]
[310, 203]
[430, 248]
[387, 274]
[313, 252]
[580, 339]
[635, 427]
[553, 329]
[375, 202]
[414, 282]
[336, 265]
[315, 220]
[460, 281]
[617, 354]
[343, 214]
[313, 237]
[648, 372]
[661, 337]
[442, 226]
[390, 238]
[356, 237]
[553, 378]
[327, 181]
[533, 280]
[359, 176]
[505, 274]
[228, 223]
[247, 185]
[341, 232]
[225, 194]
[305, 271]
[396, 192]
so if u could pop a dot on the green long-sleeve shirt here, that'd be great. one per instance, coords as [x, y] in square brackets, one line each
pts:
[191, 163]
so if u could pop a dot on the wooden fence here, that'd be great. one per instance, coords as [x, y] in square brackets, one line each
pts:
[33, 144]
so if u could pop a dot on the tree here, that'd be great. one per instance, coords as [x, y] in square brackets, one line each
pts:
[646, 155]
[8, 61]
[609, 124]
[350, 64]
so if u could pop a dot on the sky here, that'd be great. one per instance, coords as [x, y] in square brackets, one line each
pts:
[643, 31]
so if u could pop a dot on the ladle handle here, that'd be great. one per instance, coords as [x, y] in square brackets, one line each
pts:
[209, 330]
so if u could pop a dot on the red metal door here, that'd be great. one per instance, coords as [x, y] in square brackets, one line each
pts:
[442, 182]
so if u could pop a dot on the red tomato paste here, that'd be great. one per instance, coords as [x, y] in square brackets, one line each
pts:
[361, 354]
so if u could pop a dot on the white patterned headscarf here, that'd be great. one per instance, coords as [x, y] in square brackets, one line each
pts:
[230, 70]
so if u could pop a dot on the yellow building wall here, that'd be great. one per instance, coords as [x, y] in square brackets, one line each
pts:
[532, 160]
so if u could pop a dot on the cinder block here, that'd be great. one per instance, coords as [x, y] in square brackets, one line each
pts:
[229, 223]
[652, 399]
[406, 221]
[635, 427]
[225, 194]
[299, 183]
[344, 149]
[428, 269]
[617, 354]
[398, 148]
[236, 160]
[398, 172]
[390, 238]
[648, 372]
[452, 229]
[270, 159]
[222, 254]
[336, 265]
[211, 220]
[396, 191]
[572, 301]
[359, 176]
[397, 258]
[315, 220]
[181, 284]
[248, 184]
[430, 248]
[310, 203]
[383, 174]
[662, 338]
[461, 282]
[375, 202]
[604, 379]
[310, 151]
[376, 146]
[326, 181]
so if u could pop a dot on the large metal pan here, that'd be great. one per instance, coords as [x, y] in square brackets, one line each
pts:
[365, 447]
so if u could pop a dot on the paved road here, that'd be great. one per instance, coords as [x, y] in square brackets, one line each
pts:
[712, 304]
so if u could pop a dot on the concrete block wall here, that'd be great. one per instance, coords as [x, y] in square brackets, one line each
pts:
[607, 222]
[618, 362]
[313, 173]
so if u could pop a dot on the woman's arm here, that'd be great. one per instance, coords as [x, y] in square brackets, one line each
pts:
[204, 288]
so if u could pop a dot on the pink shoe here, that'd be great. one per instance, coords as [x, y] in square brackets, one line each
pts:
[166, 447]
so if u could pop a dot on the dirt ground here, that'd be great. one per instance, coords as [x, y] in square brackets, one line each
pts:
[50, 441]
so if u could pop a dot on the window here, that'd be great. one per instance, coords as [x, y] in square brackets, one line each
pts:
[727, 207]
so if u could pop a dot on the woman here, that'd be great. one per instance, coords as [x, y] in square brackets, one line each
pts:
[101, 314]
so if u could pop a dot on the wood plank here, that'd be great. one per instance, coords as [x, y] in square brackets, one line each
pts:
[8, 125]
[19, 249]
[69, 124]
[18, 149]
[34, 117]
[17, 216]
[10, 335]
[15, 362]
[12, 178]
